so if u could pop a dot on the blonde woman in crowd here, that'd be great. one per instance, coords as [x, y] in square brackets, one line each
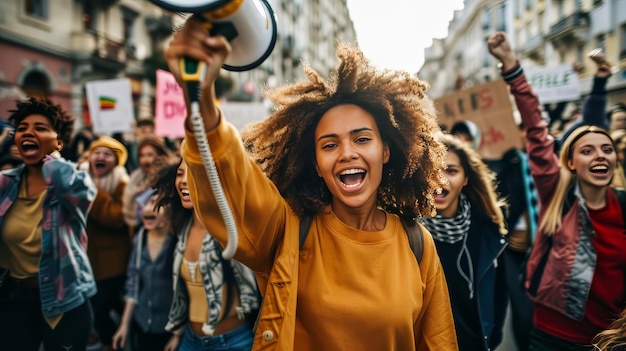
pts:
[575, 273]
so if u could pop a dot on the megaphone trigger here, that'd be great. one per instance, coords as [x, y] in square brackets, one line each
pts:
[192, 73]
[191, 70]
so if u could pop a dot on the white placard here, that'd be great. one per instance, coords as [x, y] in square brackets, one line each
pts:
[110, 106]
[554, 84]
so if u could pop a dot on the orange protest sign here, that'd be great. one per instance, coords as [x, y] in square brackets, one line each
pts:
[489, 106]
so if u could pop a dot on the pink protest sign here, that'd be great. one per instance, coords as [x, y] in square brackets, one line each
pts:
[170, 109]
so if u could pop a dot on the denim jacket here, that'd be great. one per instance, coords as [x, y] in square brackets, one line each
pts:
[65, 277]
[149, 283]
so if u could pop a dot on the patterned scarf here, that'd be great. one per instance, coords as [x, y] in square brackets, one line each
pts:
[451, 230]
[212, 271]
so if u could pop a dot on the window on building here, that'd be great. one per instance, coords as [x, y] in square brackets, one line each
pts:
[128, 28]
[501, 18]
[37, 84]
[622, 47]
[601, 42]
[486, 18]
[89, 17]
[560, 8]
[580, 53]
[36, 8]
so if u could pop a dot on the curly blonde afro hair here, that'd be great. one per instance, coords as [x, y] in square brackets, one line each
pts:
[283, 145]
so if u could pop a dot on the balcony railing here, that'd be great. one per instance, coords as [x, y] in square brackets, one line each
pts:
[99, 46]
[570, 25]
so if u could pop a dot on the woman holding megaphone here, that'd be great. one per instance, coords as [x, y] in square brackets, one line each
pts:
[359, 155]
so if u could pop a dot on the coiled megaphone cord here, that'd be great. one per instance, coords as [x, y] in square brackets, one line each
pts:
[197, 125]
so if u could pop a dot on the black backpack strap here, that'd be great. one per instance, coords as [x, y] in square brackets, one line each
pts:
[416, 238]
[413, 231]
[305, 226]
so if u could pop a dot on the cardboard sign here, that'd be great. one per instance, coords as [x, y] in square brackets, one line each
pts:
[554, 84]
[110, 106]
[489, 106]
[170, 110]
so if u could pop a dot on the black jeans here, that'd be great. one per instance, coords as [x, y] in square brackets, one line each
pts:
[521, 305]
[540, 341]
[23, 327]
[108, 298]
[147, 341]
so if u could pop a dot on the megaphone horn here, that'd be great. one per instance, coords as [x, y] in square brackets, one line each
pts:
[249, 25]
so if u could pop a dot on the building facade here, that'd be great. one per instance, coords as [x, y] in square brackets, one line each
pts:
[53, 48]
[543, 33]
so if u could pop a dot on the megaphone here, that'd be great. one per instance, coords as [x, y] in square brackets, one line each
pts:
[249, 26]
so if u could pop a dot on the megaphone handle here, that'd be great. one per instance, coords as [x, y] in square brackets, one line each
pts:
[192, 73]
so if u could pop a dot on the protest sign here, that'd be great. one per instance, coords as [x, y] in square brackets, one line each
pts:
[489, 106]
[170, 110]
[554, 84]
[110, 106]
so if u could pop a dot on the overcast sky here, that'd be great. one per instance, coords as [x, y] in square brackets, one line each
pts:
[394, 33]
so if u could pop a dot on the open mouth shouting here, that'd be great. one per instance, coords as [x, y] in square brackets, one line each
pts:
[601, 172]
[351, 178]
[440, 194]
[149, 220]
[599, 169]
[185, 194]
[185, 198]
[29, 148]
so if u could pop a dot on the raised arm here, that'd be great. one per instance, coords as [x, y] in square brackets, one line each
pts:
[544, 163]
[193, 41]
[594, 105]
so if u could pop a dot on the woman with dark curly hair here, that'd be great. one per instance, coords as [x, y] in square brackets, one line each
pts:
[358, 154]
[45, 276]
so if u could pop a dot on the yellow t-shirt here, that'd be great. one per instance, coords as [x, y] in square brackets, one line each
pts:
[20, 247]
[366, 287]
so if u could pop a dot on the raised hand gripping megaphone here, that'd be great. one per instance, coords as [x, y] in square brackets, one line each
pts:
[250, 27]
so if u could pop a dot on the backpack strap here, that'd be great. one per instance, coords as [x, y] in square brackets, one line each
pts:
[416, 238]
[412, 229]
[305, 226]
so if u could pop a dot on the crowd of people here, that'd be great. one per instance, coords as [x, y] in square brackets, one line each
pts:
[120, 243]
